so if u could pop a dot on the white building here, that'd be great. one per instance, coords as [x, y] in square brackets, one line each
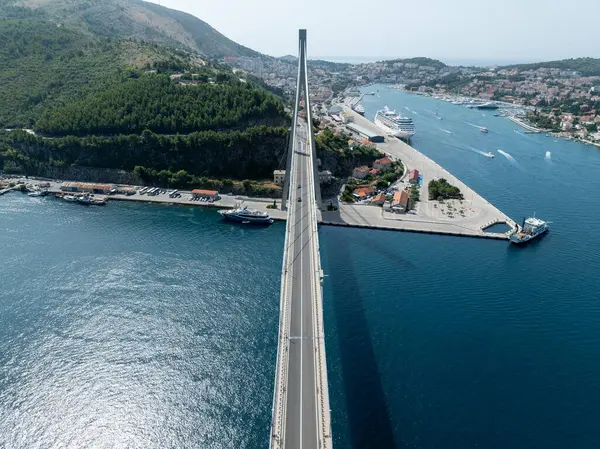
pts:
[279, 177]
[325, 177]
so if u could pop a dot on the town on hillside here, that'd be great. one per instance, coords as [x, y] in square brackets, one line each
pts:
[562, 97]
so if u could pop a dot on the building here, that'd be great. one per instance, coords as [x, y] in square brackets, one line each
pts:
[86, 187]
[210, 194]
[364, 133]
[379, 199]
[325, 177]
[413, 176]
[361, 172]
[382, 163]
[279, 177]
[335, 110]
[400, 201]
[363, 192]
[374, 171]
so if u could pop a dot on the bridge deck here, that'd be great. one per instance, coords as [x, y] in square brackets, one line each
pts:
[301, 416]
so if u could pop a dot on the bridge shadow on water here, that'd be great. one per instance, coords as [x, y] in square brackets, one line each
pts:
[368, 414]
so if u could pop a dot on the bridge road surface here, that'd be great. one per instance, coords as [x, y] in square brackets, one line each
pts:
[301, 412]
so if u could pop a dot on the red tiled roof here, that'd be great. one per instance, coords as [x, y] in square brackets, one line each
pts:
[363, 191]
[363, 169]
[384, 160]
[379, 198]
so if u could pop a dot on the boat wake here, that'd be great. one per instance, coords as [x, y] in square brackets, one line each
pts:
[474, 125]
[483, 153]
[511, 159]
[507, 156]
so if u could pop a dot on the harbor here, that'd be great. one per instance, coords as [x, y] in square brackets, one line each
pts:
[473, 215]
[139, 194]
[353, 215]
[473, 313]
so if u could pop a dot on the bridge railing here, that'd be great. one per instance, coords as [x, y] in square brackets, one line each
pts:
[283, 344]
[322, 393]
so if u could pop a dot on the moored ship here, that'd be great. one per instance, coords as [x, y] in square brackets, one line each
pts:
[359, 109]
[395, 124]
[245, 215]
[531, 228]
[488, 105]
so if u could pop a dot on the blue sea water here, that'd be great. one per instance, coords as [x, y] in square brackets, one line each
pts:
[135, 326]
[450, 342]
[155, 327]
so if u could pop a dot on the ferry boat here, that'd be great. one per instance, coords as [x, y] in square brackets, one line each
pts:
[531, 228]
[395, 124]
[245, 215]
[359, 109]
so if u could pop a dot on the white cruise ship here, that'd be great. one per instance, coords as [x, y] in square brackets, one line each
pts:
[395, 124]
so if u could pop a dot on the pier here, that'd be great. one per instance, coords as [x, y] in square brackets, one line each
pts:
[477, 214]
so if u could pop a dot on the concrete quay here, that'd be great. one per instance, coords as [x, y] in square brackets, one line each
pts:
[225, 202]
[468, 217]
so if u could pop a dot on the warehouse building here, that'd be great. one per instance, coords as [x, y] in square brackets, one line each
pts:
[86, 187]
[365, 133]
[209, 194]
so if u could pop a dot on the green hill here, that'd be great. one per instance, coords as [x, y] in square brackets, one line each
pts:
[110, 104]
[42, 64]
[585, 66]
[157, 103]
[131, 19]
[419, 61]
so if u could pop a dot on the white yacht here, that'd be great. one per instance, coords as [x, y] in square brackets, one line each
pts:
[358, 108]
[395, 124]
[245, 215]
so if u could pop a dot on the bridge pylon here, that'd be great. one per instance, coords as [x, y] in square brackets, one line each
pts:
[301, 87]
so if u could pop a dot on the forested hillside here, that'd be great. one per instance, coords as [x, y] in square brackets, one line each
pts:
[130, 19]
[585, 66]
[124, 84]
[157, 103]
[42, 64]
[252, 153]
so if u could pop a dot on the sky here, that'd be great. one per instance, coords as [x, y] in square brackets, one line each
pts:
[458, 31]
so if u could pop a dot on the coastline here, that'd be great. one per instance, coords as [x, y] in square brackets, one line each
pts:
[522, 124]
[479, 214]
[225, 202]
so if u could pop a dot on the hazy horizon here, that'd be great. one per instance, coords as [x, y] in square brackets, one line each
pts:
[447, 61]
[466, 30]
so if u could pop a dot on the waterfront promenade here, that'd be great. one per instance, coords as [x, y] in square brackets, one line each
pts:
[225, 201]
